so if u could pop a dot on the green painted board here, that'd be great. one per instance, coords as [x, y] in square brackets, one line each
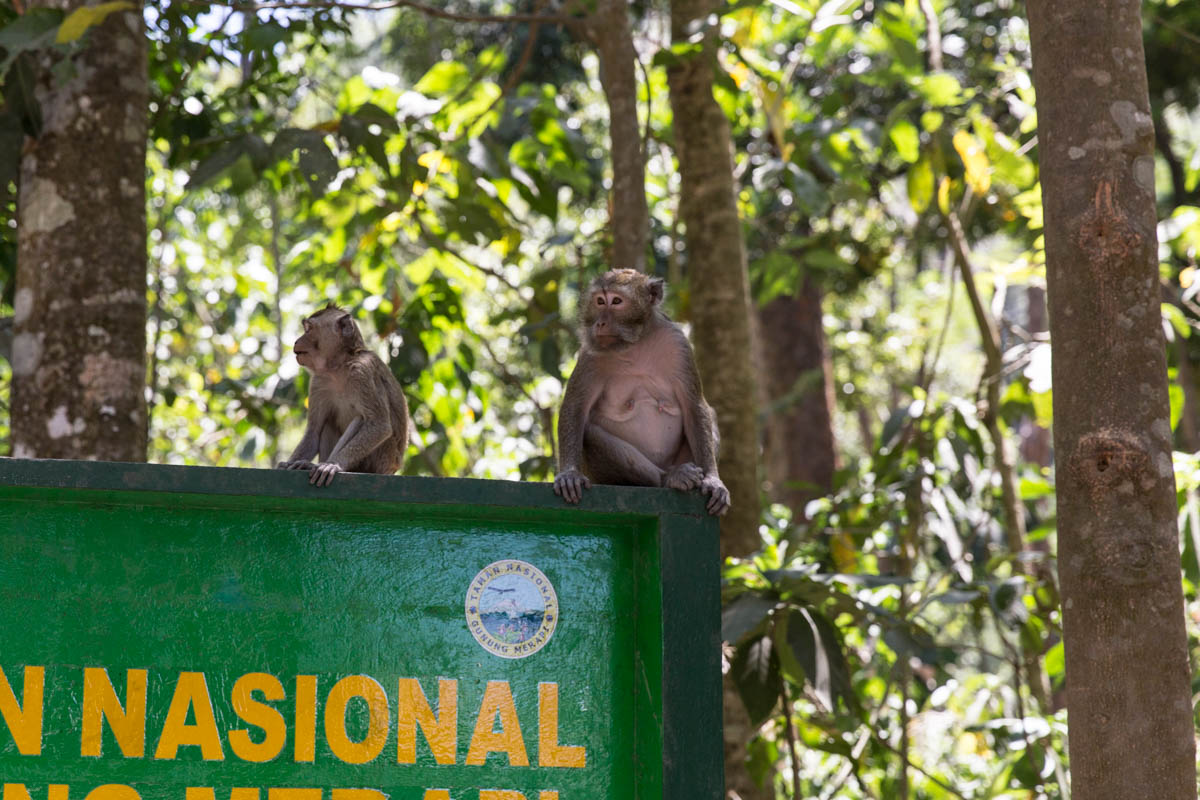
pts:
[188, 633]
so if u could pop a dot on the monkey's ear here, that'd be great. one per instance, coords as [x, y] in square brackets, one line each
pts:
[346, 327]
[658, 288]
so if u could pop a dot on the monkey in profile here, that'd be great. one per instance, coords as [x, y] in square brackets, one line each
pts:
[357, 414]
[633, 412]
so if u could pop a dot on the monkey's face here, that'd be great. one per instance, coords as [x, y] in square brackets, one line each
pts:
[619, 305]
[308, 347]
[615, 318]
[329, 335]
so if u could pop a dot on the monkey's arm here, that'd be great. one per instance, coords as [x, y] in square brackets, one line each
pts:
[578, 398]
[306, 451]
[700, 428]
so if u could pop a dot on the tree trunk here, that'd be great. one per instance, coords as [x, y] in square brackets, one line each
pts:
[717, 273]
[720, 316]
[798, 445]
[1129, 698]
[79, 349]
[630, 218]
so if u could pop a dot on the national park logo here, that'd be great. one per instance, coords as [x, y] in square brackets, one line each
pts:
[511, 608]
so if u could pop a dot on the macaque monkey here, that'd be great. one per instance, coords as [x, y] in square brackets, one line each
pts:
[357, 414]
[633, 411]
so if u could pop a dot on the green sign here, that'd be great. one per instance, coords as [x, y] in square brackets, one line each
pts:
[183, 633]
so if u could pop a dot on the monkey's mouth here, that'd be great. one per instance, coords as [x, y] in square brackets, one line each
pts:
[606, 340]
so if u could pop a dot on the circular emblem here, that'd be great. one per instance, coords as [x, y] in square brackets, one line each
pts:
[511, 608]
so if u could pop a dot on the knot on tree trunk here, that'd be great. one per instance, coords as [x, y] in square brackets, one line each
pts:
[1105, 231]
[1122, 542]
[1108, 462]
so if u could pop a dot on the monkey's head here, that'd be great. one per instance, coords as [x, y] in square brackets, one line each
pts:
[619, 306]
[329, 336]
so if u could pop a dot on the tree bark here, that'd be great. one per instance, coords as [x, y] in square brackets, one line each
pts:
[720, 316]
[1129, 699]
[628, 212]
[79, 349]
[717, 273]
[798, 443]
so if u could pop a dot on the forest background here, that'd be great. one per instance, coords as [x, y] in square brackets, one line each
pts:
[455, 172]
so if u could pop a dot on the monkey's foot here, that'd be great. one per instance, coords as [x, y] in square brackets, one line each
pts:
[718, 495]
[322, 474]
[569, 485]
[295, 465]
[685, 477]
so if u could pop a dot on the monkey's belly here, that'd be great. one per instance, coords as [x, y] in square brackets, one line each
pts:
[652, 426]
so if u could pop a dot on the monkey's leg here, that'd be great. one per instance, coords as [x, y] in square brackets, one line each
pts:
[610, 459]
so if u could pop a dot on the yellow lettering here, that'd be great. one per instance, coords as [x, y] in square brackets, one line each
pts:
[358, 794]
[550, 752]
[436, 794]
[508, 794]
[340, 743]
[207, 793]
[260, 715]
[412, 709]
[497, 701]
[293, 794]
[191, 692]
[113, 791]
[25, 724]
[306, 718]
[17, 791]
[100, 704]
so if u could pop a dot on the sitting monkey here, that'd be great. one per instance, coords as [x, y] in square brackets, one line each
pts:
[633, 411]
[357, 414]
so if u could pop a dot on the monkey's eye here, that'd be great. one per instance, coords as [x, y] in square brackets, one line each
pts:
[616, 301]
[599, 301]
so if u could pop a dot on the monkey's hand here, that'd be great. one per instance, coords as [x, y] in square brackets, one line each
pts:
[685, 476]
[718, 495]
[295, 465]
[322, 474]
[569, 485]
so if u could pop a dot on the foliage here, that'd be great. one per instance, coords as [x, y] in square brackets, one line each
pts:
[446, 181]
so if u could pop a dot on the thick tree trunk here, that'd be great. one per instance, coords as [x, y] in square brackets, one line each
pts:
[1129, 698]
[717, 274]
[720, 316]
[79, 349]
[628, 213]
[798, 449]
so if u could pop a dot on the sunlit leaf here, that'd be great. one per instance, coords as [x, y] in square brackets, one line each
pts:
[78, 21]
[906, 140]
[920, 185]
[975, 161]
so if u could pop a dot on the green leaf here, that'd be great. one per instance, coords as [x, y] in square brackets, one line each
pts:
[216, 163]
[743, 615]
[1174, 315]
[30, 31]
[318, 165]
[79, 20]
[920, 185]
[445, 77]
[265, 35]
[939, 89]
[906, 139]
[755, 673]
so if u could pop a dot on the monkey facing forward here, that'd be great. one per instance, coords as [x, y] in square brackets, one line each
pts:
[357, 414]
[633, 411]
